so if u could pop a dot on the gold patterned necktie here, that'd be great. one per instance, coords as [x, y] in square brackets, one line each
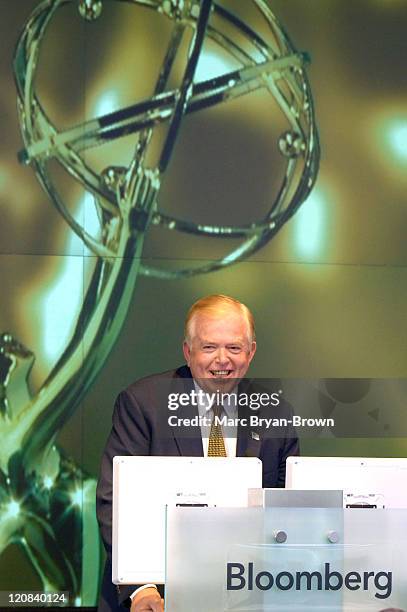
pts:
[216, 447]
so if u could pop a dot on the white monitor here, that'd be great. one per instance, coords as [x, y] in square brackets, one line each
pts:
[143, 486]
[366, 482]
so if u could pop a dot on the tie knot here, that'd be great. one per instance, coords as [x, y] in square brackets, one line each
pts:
[217, 410]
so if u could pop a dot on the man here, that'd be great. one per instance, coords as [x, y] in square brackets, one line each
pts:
[218, 347]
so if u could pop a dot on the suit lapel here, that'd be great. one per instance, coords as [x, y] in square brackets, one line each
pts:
[187, 439]
[248, 438]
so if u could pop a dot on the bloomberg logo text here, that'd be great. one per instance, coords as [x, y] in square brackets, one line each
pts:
[240, 577]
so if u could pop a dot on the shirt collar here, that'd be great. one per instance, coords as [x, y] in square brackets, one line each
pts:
[230, 407]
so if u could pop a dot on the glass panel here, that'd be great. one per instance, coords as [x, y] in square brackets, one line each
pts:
[230, 559]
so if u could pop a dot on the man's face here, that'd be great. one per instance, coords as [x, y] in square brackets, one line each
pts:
[220, 350]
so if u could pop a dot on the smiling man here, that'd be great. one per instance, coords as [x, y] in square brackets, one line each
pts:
[219, 342]
[218, 347]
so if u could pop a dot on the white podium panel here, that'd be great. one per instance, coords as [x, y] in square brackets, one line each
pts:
[144, 486]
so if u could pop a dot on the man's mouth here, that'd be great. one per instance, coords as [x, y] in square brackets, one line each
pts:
[220, 373]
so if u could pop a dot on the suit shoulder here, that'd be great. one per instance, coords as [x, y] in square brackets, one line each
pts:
[154, 381]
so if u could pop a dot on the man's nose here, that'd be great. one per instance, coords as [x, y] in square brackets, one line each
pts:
[222, 356]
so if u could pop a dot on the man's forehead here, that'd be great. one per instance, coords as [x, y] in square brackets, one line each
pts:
[215, 338]
[230, 329]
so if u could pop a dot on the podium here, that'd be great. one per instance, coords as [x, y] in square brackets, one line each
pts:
[278, 559]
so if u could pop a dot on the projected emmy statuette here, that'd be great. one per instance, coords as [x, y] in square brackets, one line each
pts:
[46, 500]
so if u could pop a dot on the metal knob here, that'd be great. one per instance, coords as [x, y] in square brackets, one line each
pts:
[333, 537]
[280, 536]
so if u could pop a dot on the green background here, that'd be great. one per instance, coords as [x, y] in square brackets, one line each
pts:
[328, 292]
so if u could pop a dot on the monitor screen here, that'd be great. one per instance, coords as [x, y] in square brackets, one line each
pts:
[366, 482]
[144, 486]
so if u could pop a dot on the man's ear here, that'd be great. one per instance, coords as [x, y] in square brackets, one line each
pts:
[252, 350]
[187, 351]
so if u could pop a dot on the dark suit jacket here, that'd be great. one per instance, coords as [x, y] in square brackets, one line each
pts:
[140, 427]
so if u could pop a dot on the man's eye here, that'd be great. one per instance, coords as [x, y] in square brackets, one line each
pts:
[208, 347]
[235, 349]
